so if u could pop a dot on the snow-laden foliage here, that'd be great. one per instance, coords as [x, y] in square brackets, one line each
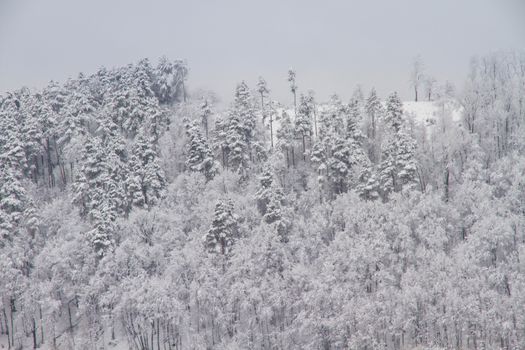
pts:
[136, 215]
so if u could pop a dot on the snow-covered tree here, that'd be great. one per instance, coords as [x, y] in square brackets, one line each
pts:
[206, 113]
[15, 203]
[147, 181]
[293, 87]
[262, 89]
[398, 166]
[199, 155]
[303, 121]
[224, 228]
[285, 138]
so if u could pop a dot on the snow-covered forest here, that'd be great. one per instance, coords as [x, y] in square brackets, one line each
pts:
[136, 213]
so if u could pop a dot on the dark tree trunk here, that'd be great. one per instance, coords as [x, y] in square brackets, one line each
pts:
[33, 331]
[7, 329]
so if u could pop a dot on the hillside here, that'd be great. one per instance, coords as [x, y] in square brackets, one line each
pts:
[134, 215]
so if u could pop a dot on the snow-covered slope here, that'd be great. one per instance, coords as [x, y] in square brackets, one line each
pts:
[427, 112]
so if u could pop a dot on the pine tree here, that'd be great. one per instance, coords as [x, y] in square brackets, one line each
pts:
[262, 88]
[224, 229]
[353, 120]
[293, 88]
[263, 193]
[285, 137]
[321, 150]
[12, 153]
[397, 169]
[14, 202]
[270, 202]
[147, 181]
[180, 76]
[303, 121]
[319, 158]
[394, 112]
[373, 110]
[91, 181]
[237, 148]
[368, 186]
[220, 139]
[236, 133]
[336, 116]
[102, 219]
[206, 113]
[165, 81]
[199, 156]
[244, 108]
[339, 164]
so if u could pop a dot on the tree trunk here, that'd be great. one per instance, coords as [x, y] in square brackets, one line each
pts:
[50, 165]
[13, 310]
[304, 148]
[183, 90]
[262, 107]
[315, 121]
[7, 328]
[33, 331]
[295, 104]
[271, 131]
[41, 326]
[447, 179]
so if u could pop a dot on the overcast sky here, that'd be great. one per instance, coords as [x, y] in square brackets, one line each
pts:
[333, 45]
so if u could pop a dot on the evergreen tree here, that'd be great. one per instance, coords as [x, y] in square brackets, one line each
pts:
[285, 137]
[373, 109]
[262, 88]
[244, 108]
[319, 158]
[237, 148]
[12, 153]
[353, 120]
[100, 183]
[303, 121]
[165, 80]
[321, 150]
[147, 182]
[236, 133]
[224, 228]
[263, 193]
[368, 186]
[293, 88]
[206, 113]
[397, 169]
[199, 156]
[340, 163]
[102, 219]
[335, 118]
[394, 112]
[14, 202]
[345, 163]
[90, 183]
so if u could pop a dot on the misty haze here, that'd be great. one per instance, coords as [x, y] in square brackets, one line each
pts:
[262, 175]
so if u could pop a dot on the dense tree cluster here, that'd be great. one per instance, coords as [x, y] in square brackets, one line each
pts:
[132, 211]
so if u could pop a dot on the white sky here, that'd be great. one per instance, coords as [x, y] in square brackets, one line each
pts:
[333, 45]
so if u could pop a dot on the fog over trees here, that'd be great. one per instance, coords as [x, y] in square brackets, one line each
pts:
[135, 213]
